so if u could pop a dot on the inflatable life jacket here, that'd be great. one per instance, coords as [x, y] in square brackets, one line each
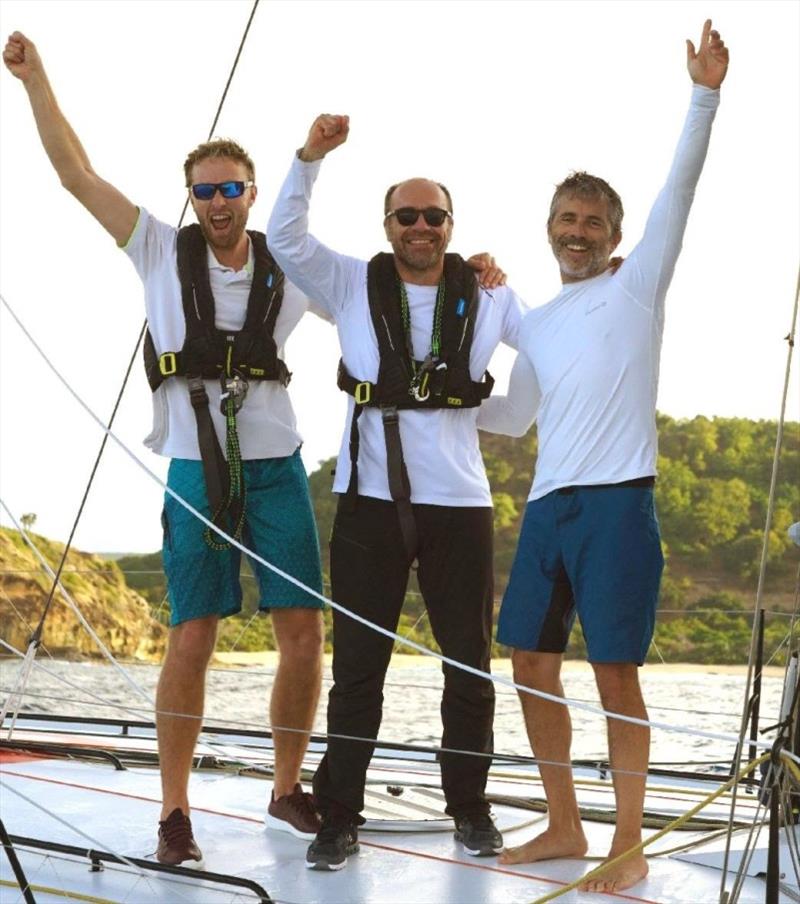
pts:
[232, 356]
[442, 380]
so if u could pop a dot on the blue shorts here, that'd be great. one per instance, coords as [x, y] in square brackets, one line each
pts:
[279, 526]
[593, 551]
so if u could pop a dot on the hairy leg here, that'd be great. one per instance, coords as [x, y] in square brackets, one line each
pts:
[181, 690]
[550, 733]
[295, 692]
[629, 753]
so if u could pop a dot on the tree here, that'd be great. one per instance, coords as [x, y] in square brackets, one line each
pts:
[28, 520]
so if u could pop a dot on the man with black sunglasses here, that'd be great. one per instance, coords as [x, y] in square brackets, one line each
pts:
[227, 275]
[416, 334]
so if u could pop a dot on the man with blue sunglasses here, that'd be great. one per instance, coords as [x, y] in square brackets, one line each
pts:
[249, 413]
[277, 520]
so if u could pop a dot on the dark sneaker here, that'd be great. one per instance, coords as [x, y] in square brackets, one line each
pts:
[176, 844]
[335, 842]
[478, 835]
[293, 813]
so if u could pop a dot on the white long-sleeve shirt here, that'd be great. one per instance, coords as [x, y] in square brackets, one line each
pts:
[588, 362]
[440, 446]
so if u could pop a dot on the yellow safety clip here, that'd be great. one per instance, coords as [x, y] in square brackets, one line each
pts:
[168, 364]
[363, 393]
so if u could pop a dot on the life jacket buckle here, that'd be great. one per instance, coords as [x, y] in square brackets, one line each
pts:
[167, 364]
[232, 387]
[363, 393]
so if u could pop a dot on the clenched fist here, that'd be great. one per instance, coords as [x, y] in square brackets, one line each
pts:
[21, 57]
[327, 132]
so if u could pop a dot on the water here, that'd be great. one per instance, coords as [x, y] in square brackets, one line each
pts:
[701, 698]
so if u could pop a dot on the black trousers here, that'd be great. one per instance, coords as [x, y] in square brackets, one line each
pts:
[369, 575]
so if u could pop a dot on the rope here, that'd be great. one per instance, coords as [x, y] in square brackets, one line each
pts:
[73, 605]
[763, 566]
[37, 634]
[675, 824]
[60, 893]
[98, 844]
[564, 701]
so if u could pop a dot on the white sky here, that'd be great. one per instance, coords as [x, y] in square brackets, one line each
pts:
[499, 100]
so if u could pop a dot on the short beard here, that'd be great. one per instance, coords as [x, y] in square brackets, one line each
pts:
[230, 240]
[416, 262]
[596, 264]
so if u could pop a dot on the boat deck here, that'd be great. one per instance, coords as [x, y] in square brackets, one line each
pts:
[407, 849]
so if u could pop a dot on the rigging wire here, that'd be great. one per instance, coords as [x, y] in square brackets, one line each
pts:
[789, 338]
[81, 618]
[36, 637]
[563, 701]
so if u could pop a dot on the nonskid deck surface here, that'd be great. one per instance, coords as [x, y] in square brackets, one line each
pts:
[407, 850]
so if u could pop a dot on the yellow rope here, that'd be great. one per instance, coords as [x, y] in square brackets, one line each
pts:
[60, 892]
[595, 873]
[793, 767]
[601, 783]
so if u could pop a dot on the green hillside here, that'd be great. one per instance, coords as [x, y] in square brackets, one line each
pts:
[714, 477]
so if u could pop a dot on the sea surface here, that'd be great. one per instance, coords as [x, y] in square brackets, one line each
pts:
[692, 698]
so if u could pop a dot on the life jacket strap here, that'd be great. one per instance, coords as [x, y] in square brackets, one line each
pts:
[430, 381]
[350, 498]
[399, 484]
[225, 497]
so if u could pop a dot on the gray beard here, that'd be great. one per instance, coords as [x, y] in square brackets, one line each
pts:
[596, 264]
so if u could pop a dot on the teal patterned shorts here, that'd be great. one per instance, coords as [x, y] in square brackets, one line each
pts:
[279, 526]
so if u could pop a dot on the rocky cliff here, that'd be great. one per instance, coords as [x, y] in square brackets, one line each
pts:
[120, 616]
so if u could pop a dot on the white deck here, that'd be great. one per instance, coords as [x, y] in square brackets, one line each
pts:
[417, 861]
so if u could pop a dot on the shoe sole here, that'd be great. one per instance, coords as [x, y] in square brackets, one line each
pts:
[479, 852]
[186, 864]
[281, 825]
[491, 852]
[327, 866]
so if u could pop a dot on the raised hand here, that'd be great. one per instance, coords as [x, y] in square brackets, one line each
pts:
[327, 132]
[21, 57]
[708, 65]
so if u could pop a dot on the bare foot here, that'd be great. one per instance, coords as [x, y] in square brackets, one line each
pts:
[624, 875]
[548, 846]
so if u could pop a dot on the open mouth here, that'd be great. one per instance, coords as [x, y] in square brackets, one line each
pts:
[220, 221]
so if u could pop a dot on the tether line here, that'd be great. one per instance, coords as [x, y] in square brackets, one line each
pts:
[37, 634]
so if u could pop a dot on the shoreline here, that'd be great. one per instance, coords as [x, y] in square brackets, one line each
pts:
[502, 666]
[269, 659]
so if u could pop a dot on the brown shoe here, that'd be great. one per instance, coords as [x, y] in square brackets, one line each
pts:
[176, 844]
[293, 813]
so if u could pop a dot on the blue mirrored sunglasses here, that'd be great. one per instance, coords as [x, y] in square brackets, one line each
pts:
[205, 191]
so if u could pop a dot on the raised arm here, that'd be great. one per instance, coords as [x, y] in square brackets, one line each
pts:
[647, 271]
[115, 213]
[321, 273]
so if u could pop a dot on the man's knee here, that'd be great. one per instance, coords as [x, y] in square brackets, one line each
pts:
[618, 684]
[538, 670]
[299, 633]
[191, 643]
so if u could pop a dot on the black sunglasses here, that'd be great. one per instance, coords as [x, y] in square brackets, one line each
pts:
[407, 216]
[205, 191]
